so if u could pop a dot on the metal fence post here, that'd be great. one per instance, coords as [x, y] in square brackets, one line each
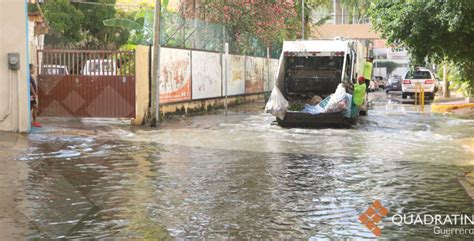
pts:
[226, 56]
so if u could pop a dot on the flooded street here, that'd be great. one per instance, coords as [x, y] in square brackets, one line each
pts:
[241, 177]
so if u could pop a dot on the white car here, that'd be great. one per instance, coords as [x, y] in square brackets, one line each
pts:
[99, 67]
[54, 70]
[424, 77]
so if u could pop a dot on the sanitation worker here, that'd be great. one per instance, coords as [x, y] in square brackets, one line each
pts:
[358, 96]
[368, 67]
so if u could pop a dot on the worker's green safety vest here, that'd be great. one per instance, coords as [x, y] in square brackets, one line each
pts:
[359, 93]
[368, 70]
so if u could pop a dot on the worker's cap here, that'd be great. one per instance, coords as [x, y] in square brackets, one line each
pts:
[361, 79]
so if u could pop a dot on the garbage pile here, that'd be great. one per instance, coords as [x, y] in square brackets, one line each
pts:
[340, 101]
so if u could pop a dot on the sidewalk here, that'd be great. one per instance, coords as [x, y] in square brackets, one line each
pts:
[53, 126]
[456, 105]
[13, 221]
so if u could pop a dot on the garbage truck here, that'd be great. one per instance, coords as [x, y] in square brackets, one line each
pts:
[315, 84]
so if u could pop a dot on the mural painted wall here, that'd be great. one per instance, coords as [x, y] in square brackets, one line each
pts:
[270, 74]
[206, 72]
[254, 77]
[175, 75]
[236, 75]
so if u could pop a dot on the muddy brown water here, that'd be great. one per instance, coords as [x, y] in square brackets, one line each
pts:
[241, 177]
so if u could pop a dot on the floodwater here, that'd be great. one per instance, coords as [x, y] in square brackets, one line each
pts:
[241, 177]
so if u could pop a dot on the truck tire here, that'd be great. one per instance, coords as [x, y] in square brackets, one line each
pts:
[404, 95]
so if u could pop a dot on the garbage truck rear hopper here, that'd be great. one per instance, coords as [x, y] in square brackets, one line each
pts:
[310, 71]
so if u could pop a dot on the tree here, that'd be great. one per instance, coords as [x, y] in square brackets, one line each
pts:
[140, 28]
[252, 26]
[139, 24]
[92, 28]
[80, 23]
[431, 30]
[65, 22]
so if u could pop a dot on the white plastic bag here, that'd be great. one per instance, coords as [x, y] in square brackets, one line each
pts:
[337, 102]
[277, 105]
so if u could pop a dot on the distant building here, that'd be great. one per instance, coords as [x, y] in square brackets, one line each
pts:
[37, 28]
[383, 52]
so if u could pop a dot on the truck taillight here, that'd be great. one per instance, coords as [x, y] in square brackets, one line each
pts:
[429, 81]
[406, 81]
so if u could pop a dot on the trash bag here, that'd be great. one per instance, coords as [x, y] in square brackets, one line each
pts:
[312, 109]
[348, 111]
[338, 101]
[315, 100]
[277, 105]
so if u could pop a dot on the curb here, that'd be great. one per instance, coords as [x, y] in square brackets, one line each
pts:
[449, 107]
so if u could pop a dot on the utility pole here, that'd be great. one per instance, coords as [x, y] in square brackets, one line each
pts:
[302, 20]
[155, 117]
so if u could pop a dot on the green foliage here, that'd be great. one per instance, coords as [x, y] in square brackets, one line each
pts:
[123, 23]
[80, 23]
[32, 8]
[139, 24]
[456, 80]
[431, 30]
[250, 27]
[462, 79]
[92, 27]
[65, 22]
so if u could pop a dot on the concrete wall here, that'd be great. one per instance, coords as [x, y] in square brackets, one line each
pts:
[254, 77]
[195, 80]
[206, 75]
[142, 84]
[14, 85]
[175, 74]
[236, 75]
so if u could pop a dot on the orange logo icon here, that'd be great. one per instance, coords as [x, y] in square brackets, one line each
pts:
[372, 216]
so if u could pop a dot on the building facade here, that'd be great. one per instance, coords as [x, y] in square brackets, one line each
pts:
[14, 78]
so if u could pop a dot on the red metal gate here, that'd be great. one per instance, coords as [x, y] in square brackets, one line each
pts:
[86, 83]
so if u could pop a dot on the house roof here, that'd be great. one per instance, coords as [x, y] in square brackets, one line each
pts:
[315, 46]
[348, 31]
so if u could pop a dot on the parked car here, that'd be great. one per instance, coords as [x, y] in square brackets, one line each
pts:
[54, 70]
[373, 86]
[421, 76]
[99, 67]
[393, 84]
[380, 81]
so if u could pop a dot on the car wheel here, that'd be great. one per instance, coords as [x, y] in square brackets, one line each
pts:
[386, 91]
[404, 95]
